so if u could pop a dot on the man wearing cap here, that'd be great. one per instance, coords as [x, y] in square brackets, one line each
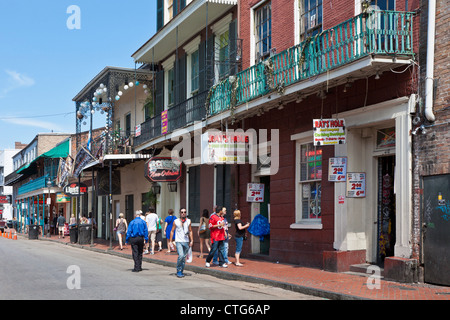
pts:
[137, 233]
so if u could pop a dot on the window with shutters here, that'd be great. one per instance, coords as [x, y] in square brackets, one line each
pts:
[310, 18]
[194, 194]
[194, 73]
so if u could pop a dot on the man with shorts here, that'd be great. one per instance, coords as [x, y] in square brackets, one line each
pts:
[152, 220]
[60, 225]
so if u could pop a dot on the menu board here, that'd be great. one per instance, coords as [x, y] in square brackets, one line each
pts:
[356, 184]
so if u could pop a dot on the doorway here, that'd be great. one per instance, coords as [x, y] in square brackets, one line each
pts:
[386, 209]
[436, 229]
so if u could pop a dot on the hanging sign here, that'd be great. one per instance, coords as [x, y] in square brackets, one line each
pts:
[356, 184]
[337, 169]
[164, 122]
[255, 192]
[75, 189]
[226, 147]
[328, 131]
[163, 169]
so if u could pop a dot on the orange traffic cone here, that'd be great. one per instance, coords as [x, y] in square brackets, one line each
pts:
[15, 235]
[9, 235]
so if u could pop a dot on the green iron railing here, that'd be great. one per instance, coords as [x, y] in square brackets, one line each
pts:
[377, 32]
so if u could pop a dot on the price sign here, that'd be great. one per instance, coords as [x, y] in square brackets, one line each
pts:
[356, 185]
[337, 169]
[255, 192]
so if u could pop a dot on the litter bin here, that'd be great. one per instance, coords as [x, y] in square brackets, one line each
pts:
[85, 233]
[73, 231]
[33, 232]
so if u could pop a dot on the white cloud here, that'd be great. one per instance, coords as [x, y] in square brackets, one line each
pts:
[48, 126]
[15, 81]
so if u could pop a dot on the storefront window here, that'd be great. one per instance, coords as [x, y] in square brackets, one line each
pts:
[310, 181]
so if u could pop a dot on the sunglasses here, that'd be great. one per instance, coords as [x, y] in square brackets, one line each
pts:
[183, 211]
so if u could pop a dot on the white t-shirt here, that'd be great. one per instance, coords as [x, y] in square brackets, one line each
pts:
[152, 220]
[182, 230]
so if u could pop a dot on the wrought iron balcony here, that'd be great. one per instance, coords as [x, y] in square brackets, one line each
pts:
[178, 116]
[386, 33]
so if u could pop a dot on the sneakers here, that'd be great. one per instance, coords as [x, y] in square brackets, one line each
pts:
[224, 265]
[180, 274]
[208, 265]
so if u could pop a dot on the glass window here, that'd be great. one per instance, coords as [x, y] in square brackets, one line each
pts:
[170, 87]
[263, 31]
[310, 181]
[223, 54]
[194, 72]
[310, 18]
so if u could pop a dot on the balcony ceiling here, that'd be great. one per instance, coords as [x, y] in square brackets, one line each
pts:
[188, 22]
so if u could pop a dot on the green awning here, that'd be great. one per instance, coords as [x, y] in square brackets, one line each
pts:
[60, 151]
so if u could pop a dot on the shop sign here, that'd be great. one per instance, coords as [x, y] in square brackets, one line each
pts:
[255, 192]
[226, 147]
[328, 131]
[163, 169]
[62, 197]
[137, 131]
[164, 122]
[5, 199]
[75, 189]
[337, 169]
[356, 184]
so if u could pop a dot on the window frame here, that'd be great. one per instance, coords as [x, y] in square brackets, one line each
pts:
[318, 27]
[301, 139]
[257, 12]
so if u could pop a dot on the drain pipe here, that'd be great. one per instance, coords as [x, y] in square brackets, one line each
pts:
[429, 81]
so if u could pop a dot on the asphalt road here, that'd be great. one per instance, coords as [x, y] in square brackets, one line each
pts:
[43, 270]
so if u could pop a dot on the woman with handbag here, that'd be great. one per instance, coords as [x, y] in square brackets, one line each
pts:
[121, 229]
[204, 232]
[239, 236]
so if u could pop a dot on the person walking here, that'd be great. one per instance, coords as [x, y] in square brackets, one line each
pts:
[183, 239]
[224, 249]
[159, 233]
[121, 227]
[60, 225]
[204, 233]
[216, 225]
[137, 234]
[168, 228]
[239, 235]
[152, 221]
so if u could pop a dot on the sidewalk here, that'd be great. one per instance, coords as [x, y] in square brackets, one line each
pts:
[330, 285]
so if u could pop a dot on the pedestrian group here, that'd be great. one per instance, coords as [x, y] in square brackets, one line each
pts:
[145, 232]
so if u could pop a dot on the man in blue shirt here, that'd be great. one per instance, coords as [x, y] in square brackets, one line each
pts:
[136, 234]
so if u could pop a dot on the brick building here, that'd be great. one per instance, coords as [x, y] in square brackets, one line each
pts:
[431, 153]
[269, 69]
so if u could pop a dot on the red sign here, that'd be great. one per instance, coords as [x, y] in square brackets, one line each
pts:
[163, 169]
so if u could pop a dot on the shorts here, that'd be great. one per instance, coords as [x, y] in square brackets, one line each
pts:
[61, 229]
[152, 235]
[239, 242]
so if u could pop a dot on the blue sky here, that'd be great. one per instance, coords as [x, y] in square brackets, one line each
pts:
[44, 64]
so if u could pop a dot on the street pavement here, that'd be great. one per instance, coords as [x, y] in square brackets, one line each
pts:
[311, 281]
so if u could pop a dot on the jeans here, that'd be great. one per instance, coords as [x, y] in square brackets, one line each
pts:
[216, 246]
[239, 242]
[182, 249]
[224, 252]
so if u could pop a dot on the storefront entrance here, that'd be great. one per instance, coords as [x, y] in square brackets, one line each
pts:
[386, 209]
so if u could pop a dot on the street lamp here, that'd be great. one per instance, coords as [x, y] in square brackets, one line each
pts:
[49, 202]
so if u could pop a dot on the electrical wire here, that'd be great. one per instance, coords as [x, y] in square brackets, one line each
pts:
[40, 116]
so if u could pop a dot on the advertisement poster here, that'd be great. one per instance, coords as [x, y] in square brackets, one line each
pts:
[337, 169]
[163, 169]
[328, 132]
[356, 185]
[255, 192]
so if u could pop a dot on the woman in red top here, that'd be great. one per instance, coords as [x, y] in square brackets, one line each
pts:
[216, 223]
